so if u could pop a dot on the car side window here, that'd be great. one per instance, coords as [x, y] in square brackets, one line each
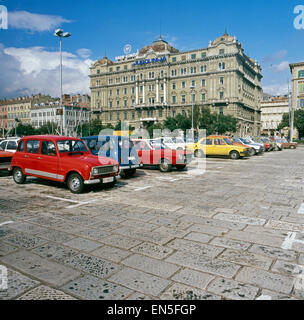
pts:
[48, 148]
[207, 142]
[11, 145]
[3, 145]
[33, 146]
[21, 146]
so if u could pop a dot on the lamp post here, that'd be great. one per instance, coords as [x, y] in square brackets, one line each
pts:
[192, 128]
[61, 34]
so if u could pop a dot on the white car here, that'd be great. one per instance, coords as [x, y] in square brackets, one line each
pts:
[173, 143]
[9, 145]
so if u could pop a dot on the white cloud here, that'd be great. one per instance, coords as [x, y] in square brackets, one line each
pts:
[275, 56]
[34, 70]
[283, 66]
[84, 53]
[34, 22]
[276, 89]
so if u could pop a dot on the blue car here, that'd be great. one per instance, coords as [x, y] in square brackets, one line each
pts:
[117, 148]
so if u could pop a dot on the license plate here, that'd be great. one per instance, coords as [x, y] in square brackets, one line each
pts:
[107, 180]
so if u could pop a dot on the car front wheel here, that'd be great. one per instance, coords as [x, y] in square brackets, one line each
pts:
[75, 183]
[199, 154]
[18, 176]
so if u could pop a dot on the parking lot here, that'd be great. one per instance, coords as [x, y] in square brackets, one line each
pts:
[234, 232]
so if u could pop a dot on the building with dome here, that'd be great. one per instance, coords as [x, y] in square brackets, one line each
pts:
[159, 82]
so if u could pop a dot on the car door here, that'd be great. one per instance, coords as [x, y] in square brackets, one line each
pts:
[207, 146]
[48, 161]
[144, 152]
[31, 163]
[11, 146]
[3, 145]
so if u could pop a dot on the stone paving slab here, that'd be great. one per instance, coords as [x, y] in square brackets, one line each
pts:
[195, 247]
[25, 241]
[273, 252]
[183, 292]
[240, 219]
[93, 265]
[111, 253]
[205, 229]
[27, 228]
[55, 252]
[234, 290]
[271, 295]
[193, 278]
[6, 249]
[199, 237]
[40, 268]
[56, 236]
[266, 280]
[83, 244]
[204, 264]
[152, 250]
[92, 288]
[140, 281]
[246, 258]
[230, 244]
[17, 284]
[150, 265]
[45, 293]
[120, 241]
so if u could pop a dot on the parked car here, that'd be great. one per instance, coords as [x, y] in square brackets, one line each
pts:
[286, 144]
[216, 146]
[9, 145]
[258, 148]
[230, 141]
[5, 160]
[159, 155]
[119, 148]
[278, 146]
[267, 145]
[62, 159]
[172, 143]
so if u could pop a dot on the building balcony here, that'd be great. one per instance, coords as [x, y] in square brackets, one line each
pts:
[149, 105]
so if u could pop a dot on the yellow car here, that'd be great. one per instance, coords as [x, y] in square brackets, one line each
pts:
[217, 146]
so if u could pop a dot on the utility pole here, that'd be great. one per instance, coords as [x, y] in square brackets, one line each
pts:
[291, 110]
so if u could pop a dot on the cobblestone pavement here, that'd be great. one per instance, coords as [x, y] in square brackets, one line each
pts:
[235, 232]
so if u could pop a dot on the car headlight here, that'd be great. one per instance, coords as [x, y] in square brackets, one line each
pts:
[115, 168]
[95, 172]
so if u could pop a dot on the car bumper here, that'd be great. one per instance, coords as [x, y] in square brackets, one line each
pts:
[100, 180]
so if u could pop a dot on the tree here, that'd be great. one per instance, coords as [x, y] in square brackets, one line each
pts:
[155, 126]
[224, 124]
[25, 130]
[298, 122]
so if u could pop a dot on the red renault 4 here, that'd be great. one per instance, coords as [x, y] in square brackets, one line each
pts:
[62, 159]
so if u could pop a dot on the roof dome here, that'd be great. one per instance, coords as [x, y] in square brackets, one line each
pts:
[224, 38]
[103, 62]
[159, 46]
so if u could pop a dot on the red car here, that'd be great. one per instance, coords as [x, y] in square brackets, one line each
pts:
[62, 159]
[5, 159]
[160, 156]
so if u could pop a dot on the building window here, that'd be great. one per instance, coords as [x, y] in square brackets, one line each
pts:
[221, 111]
[301, 88]
[98, 71]
[221, 80]
[117, 68]
[174, 73]
[301, 103]
[111, 69]
[133, 90]
[173, 86]
[126, 116]
[193, 56]
[125, 91]
[133, 115]
[203, 68]
[193, 97]
[222, 51]
[174, 59]
[193, 70]
[117, 92]
[117, 80]
[111, 116]
[133, 102]
[221, 95]
[161, 73]
[204, 54]
[110, 81]
[117, 104]
[98, 94]
[125, 103]
[111, 104]
[203, 97]
[183, 71]
[193, 83]
[183, 98]
[222, 66]
[174, 99]
[162, 87]
[301, 74]
[183, 85]
[162, 99]
[173, 113]
[184, 58]
[151, 75]
[160, 113]
[110, 93]
[203, 82]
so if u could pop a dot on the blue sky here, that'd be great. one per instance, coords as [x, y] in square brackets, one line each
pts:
[265, 28]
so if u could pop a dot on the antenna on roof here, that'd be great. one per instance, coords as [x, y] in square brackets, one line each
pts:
[160, 29]
[226, 33]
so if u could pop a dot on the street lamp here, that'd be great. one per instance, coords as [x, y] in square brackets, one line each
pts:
[192, 89]
[61, 34]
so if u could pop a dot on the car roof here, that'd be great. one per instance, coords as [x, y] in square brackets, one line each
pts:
[47, 137]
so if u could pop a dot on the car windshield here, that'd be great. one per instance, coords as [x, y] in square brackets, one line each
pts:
[68, 146]
[245, 141]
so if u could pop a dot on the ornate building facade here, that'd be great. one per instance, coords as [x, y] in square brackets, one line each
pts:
[160, 82]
